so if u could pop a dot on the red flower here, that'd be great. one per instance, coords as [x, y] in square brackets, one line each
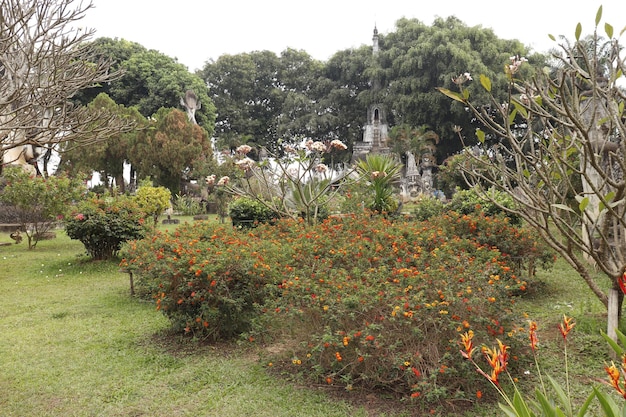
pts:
[566, 326]
[621, 283]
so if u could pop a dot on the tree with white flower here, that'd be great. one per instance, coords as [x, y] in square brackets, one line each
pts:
[297, 184]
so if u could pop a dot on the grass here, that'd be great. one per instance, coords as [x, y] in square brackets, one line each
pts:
[74, 343]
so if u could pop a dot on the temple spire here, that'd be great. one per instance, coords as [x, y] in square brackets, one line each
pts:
[375, 40]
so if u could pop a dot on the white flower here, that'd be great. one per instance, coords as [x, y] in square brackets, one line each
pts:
[289, 149]
[210, 180]
[337, 144]
[223, 181]
[318, 146]
[321, 168]
[244, 149]
[245, 164]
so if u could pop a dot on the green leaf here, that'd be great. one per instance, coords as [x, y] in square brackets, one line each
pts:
[453, 95]
[466, 93]
[599, 16]
[562, 207]
[583, 409]
[508, 410]
[608, 405]
[512, 117]
[609, 30]
[485, 82]
[546, 405]
[520, 405]
[521, 109]
[551, 37]
[561, 395]
[583, 204]
[608, 198]
[579, 29]
[480, 135]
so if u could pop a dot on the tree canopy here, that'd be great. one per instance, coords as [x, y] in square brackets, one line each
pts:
[265, 99]
[150, 80]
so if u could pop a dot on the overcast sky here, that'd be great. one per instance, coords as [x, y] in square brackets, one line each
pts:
[195, 31]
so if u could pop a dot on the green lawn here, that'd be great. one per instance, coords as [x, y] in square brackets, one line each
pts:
[74, 343]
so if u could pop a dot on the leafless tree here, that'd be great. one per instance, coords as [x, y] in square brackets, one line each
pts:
[44, 60]
[562, 137]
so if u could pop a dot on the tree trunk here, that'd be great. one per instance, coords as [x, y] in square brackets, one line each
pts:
[613, 314]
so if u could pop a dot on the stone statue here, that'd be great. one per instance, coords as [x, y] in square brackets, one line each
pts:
[191, 103]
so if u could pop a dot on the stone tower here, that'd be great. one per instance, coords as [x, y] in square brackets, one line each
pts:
[376, 130]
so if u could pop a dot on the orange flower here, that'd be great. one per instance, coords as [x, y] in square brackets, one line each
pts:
[468, 345]
[566, 326]
[532, 332]
[615, 377]
[498, 359]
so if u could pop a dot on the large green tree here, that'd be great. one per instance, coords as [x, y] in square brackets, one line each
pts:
[107, 157]
[168, 148]
[247, 96]
[150, 80]
[418, 58]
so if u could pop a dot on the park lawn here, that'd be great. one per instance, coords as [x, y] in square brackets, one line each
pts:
[74, 343]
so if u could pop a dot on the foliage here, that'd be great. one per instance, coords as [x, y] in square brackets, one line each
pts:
[187, 205]
[427, 207]
[153, 201]
[381, 173]
[207, 280]
[103, 224]
[106, 157]
[497, 203]
[170, 146]
[449, 176]
[248, 212]
[360, 298]
[557, 131]
[37, 202]
[296, 185]
[150, 80]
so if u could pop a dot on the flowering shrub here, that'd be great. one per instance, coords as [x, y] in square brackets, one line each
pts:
[364, 301]
[296, 184]
[207, 279]
[103, 224]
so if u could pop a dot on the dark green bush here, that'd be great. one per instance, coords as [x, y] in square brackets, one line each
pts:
[248, 212]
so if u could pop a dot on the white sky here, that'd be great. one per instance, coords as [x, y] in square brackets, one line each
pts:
[195, 31]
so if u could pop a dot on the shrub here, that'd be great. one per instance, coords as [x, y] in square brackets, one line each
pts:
[207, 279]
[468, 202]
[187, 205]
[248, 212]
[103, 224]
[427, 207]
[362, 301]
[37, 202]
[153, 201]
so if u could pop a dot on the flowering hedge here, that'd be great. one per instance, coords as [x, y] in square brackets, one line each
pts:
[362, 301]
